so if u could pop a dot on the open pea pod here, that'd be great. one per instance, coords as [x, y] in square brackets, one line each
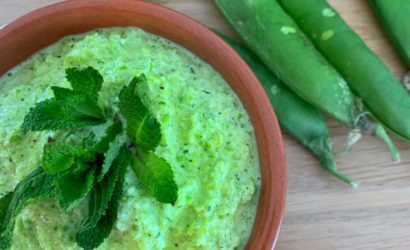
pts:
[394, 15]
[380, 91]
[296, 116]
[273, 35]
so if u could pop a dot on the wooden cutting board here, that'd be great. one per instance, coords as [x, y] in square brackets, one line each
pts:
[323, 213]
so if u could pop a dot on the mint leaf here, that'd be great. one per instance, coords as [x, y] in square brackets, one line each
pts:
[61, 93]
[72, 112]
[104, 204]
[110, 134]
[142, 127]
[79, 102]
[148, 134]
[93, 237]
[70, 108]
[98, 204]
[87, 81]
[156, 175]
[74, 184]
[81, 106]
[4, 204]
[109, 156]
[131, 106]
[59, 156]
[37, 185]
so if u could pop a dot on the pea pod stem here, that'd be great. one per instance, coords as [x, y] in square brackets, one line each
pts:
[296, 116]
[380, 132]
[354, 136]
[345, 178]
[332, 170]
[365, 126]
[323, 149]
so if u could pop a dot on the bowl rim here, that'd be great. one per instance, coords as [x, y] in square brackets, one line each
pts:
[269, 139]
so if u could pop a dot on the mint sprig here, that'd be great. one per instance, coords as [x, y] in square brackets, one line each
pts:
[69, 108]
[87, 81]
[131, 106]
[142, 127]
[36, 186]
[104, 203]
[156, 175]
[110, 156]
[92, 167]
[60, 156]
[74, 184]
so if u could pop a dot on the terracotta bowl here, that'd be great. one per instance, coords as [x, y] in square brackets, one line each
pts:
[45, 26]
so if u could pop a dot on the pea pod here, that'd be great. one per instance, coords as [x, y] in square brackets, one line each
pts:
[394, 16]
[281, 45]
[379, 90]
[296, 116]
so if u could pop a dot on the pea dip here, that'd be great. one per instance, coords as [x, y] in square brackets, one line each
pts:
[206, 137]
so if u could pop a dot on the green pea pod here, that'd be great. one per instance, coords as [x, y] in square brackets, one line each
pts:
[380, 91]
[394, 16]
[296, 116]
[281, 45]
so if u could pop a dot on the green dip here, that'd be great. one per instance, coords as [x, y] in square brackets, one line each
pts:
[207, 138]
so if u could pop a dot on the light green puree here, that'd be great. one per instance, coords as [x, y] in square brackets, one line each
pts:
[206, 137]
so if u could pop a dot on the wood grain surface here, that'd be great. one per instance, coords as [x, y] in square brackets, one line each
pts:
[323, 213]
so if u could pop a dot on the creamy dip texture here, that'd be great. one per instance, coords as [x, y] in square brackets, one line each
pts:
[206, 137]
